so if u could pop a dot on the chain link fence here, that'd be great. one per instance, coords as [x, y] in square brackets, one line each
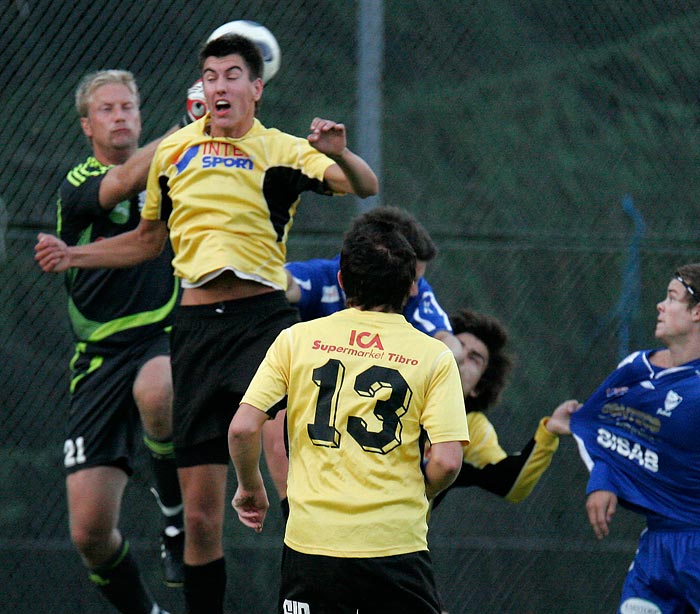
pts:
[550, 147]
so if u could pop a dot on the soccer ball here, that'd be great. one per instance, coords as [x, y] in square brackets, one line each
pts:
[261, 36]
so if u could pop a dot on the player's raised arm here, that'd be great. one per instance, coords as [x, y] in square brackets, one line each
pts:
[122, 181]
[350, 173]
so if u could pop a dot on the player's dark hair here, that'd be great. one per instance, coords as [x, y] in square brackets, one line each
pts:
[494, 336]
[407, 225]
[228, 44]
[689, 276]
[378, 267]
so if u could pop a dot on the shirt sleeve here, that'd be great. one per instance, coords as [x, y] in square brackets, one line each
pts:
[79, 205]
[512, 477]
[443, 416]
[320, 293]
[270, 382]
[424, 312]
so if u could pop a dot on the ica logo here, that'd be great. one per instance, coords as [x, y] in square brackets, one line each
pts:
[365, 340]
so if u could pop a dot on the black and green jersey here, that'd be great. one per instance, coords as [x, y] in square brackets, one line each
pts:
[111, 306]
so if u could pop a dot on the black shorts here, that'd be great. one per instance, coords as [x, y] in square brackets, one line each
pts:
[104, 426]
[335, 585]
[216, 350]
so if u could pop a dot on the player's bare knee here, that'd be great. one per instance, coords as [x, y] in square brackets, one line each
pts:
[202, 528]
[155, 409]
[91, 541]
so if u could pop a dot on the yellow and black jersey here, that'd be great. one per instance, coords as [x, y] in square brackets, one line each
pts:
[230, 202]
[488, 466]
[111, 306]
[362, 386]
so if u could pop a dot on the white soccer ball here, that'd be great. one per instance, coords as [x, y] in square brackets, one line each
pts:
[261, 36]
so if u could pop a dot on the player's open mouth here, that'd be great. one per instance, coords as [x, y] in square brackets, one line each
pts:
[222, 105]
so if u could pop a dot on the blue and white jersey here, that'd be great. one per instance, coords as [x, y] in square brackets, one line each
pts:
[321, 295]
[639, 434]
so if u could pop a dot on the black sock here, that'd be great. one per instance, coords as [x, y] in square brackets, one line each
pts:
[167, 490]
[205, 586]
[120, 581]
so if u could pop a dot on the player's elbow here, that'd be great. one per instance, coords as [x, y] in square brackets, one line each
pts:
[446, 460]
[370, 187]
[151, 238]
[240, 432]
[246, 425]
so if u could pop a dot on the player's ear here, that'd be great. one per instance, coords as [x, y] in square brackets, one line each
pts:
[85, 125]
[257, 89]
[695, 312]
[340, 280]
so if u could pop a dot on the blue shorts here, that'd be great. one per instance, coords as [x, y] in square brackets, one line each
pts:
[664, 577]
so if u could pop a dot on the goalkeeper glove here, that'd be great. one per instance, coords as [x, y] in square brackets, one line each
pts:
[196, 104]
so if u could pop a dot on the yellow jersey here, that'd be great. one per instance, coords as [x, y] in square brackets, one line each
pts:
[230, 203]
[361, 387]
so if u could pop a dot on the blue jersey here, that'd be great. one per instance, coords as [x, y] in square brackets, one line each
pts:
[321, 295]
[639, 433]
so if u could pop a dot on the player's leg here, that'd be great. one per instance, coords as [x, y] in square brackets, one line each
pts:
[94, 502]
[204, 493]
[273, 438]
[153, 394]
[100, 437]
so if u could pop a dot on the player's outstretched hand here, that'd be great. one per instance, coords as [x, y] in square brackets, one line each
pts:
[251, 507]
[328, 137]
[560, 421]
[51, 254]
[601, 506]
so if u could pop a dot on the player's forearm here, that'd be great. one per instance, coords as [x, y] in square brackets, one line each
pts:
[245, 449]
[360, 177]
[451, 342]
[293, 292]
[537, 461]
[245, 446]
[128, 179]
[124, 250]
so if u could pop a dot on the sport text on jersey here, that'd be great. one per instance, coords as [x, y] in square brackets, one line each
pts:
[365, 345]
[216, 153]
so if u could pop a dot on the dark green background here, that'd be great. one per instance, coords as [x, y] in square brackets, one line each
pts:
[513, 130]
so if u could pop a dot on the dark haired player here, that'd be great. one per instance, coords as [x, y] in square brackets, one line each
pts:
[481, 356]
[483, 372]
[356, 538]
[638, 434]
[314, 289]
[226, 188]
